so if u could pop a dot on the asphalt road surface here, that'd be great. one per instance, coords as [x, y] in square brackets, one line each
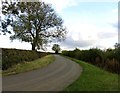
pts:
[54, 77]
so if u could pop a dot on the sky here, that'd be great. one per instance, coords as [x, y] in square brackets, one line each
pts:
[90, 24]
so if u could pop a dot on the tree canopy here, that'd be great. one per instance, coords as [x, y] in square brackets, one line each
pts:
[35, 22]
[117, 45]
[56, 48]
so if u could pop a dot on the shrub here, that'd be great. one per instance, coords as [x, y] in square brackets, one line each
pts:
[108, 60]
[11, 57]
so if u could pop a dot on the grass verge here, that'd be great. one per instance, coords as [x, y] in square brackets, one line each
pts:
[0, 72]
[28, 66]
[94, 79]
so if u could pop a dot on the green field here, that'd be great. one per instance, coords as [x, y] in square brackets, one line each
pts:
[27, 66]
[94, 79]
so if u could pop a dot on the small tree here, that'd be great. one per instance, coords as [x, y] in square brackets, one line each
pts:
[117, 45]
[56, 48]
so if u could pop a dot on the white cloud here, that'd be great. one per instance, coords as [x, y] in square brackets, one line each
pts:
[59, 5]
[85, 35]
[85, 31]
[70, 43]
[115, 10]
[98, 0]
[6, 43]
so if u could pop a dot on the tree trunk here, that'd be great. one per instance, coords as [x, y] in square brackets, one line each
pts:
[34, 43]
[33, 46]
[56, 52]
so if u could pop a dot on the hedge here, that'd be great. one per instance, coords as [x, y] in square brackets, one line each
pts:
[11, 57]
[108, 60]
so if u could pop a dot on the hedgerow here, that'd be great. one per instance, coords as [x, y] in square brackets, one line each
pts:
[11, 57]
[108, 60]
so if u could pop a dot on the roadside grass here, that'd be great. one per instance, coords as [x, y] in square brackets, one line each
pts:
[28, 66]
[0, 72]
[94, 79]
[0, 66]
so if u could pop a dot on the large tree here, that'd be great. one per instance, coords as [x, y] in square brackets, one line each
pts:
[36, 23]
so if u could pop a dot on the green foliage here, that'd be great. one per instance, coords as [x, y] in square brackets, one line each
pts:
[8, 9]
[108, 60]
[117, 45]
[117, 54]
[56, 48]
[11, 57]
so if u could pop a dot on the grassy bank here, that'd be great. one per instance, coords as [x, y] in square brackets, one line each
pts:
[94, 79]
[27, 66]
[0, 72]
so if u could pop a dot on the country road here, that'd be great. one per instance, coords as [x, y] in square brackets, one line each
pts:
[54, 77]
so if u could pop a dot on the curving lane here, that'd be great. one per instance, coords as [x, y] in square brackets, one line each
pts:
[54, 77]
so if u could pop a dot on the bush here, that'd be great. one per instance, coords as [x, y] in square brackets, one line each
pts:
[108, 60]
[11, 57]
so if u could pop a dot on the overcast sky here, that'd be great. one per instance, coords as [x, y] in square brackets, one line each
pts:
[89, 25]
